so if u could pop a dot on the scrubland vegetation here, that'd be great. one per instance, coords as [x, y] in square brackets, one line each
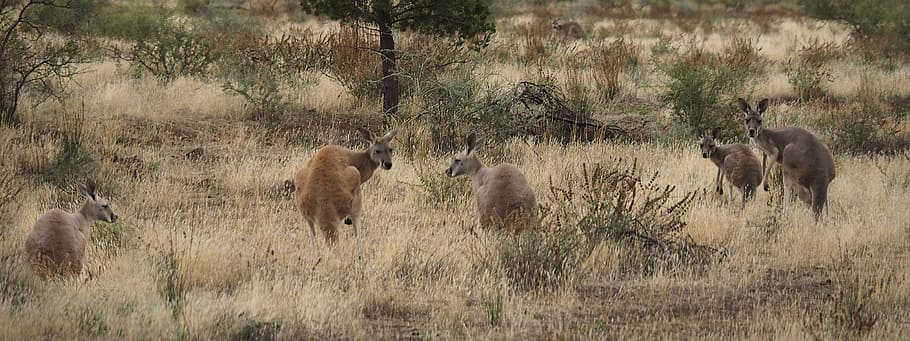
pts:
[192, 114]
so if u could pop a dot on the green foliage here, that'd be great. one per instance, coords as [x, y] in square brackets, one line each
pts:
[868, 127]
[462, 20]
[172, 52]
[69, 16]
[810, 70]
[31, 61]
[132, 21]
[195, 6]
[72, 164]
[268, 71]
[440, 190]
[112, 236]
[881, 21]
[455, 104]
[702, 92]
[493, 307]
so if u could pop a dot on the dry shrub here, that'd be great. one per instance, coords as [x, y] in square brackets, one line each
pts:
[743, 55]
[352, 61]
[537, 40]
[808, 73]
[269, 71]
[607, 203]
[610, 60]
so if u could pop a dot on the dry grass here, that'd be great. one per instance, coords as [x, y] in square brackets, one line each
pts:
[214, 249]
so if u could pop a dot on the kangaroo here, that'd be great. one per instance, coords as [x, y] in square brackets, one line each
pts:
[570, 29]
[328, 186]
[56, 244]
[806, 163]
[505, 200]
[736, 163]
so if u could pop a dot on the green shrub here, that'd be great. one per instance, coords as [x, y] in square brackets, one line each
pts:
[883, 23]
[173, 53]
[134, 21]
[702, 95]
[868, 128]
[69, 17]
[440, 190]
[268, 72]
[73, 162]
[810, 71]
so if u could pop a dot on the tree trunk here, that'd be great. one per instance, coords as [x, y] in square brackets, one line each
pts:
[389, 69]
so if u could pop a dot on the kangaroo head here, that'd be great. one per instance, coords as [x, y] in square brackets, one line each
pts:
[753, 123]
[707, 144]
[96, 207]
[380, 150]
[556, 24]
[466, 162]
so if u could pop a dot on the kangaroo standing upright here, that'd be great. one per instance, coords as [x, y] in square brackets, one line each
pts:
[806, 163]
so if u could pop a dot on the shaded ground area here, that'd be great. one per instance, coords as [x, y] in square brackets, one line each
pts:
[620, 308]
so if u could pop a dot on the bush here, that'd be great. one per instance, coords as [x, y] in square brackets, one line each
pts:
[542, 260]
[610, 60]
[69, 17]
[130, 22]
[868, 129]
[882, 22]
[171, 52]
[702, 92]
[809, 72]
[439, 190]
[32, 61]
[267, 72]
[350, 62]
[73, 162]
[604, 204]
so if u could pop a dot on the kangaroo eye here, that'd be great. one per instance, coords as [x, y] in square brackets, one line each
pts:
[377, 152]
[105, 206]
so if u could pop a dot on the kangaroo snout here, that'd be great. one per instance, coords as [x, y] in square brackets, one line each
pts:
[704, 155]
[449, 171]
[387, 165]
[751, 132]
[113, 218]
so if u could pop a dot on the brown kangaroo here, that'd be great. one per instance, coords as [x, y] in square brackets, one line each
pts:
[806, 163]
[736, 163]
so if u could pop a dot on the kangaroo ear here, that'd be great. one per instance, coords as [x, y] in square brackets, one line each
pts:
[470, 141]
[762, 106]
[744, 106]
[368, 135]
[473, 143]
[715, 133]
[88, 189]
[389, 136]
